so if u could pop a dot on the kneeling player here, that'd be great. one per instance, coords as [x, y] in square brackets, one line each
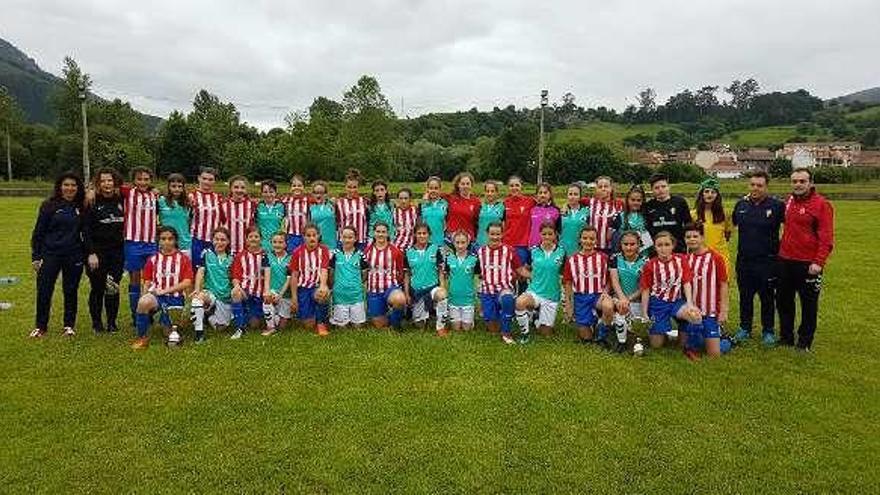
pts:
[497, 265]
[247, 284]
[710, 292]
[384, 279]
[277, 299]
[310, 296]
[167, 275]
[544, 290]
[586, 288]
[213, 292]
[424, 282]
[460, 267]
[347, 265]
[625, 269]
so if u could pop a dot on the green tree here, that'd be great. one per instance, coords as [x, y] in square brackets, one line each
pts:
[515, 150]
[217, 123]
[781, 167]
[572, 161]
[10, 120]
[180, 147]
[368, 131]
[66, 101]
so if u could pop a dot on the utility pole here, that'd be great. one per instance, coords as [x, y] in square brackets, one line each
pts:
[8, 154]
[85, 123]
[541, 138]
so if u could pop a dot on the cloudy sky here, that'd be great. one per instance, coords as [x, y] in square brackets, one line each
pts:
[270, 57]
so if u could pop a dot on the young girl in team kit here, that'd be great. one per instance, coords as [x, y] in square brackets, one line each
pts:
[464, 208]
[213, 291]
[460, 267]
[498, 265]
[167, 278]
[238, 213]
[631, 219]
[709, 213]
[297, 209]
[351, 209]
[277, 298]
[603, 208]
[710, 292]
[491, 211]
[626, 270]
[544, 290]
[586, 291]
[270, 214]
[424, 281]
[207, 211]
[347, 265]
[545, 212]
[139, 205]
[385, 267]
[310, 294]
[433, 210]
[174, 211]
[405, 218]
[574, 218]
[666, 291]
[247, 284]
[322, 213]
[381, 208]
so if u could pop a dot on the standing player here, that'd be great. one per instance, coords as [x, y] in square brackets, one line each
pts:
[296, 207]
[433, 210]
[322, 213]
[460, 267]
[277, 298]
[174, 211]
[424, 283]
[352, 208]
[498, 265]
[405, 218]
[385, 267]
[270, 214]
[666, 291]
[545, 212]
[665, 212]
[491, 211]
[347, 265]
[247, 284]
[103, 233]
[213, 291]
[517, 218]
[381, 208]
[709, 213]
[168, 276]
[574, 218]
[603, 208]
[631, 219]
[140, 230]
[545, 290]
[310, 295]
[464, 208]
[710, 292]
[586, 291]
[238, 213]
[206, 206]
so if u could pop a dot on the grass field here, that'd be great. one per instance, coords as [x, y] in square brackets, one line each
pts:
[372, 412]
[606, 132]
[767, 136]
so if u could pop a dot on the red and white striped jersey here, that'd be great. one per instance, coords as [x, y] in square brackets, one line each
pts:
[709, 272]
[385, 267]
[238, 216]
[497, 267]
[140, 208]
[601, 214]
[297, 213]
[587, 273]
[404, 224]
[165, 271]
[308, 263]
[247, 268]
[666, 279]
[207, 214]
[352, 212]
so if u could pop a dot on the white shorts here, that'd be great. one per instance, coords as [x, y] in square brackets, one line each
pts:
[420, 311]
[343, 314]
[547, 310]
[220, 313]
[461, 314]
[282, 308]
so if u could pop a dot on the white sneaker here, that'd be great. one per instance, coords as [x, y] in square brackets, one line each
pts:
[672, 334]
[507, 339]
[68, 332]
[237, 334]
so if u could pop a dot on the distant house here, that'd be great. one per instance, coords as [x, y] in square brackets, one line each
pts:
[756, 158]
[867, 159]
[652, 159]
[706, 159]
[835, 154]
[727, 169]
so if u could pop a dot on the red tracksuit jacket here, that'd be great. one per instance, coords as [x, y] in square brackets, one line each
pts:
[808, 234]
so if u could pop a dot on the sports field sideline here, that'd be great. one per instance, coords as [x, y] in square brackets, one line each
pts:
[386, 412]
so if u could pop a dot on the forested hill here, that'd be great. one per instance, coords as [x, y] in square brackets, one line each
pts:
[32, 87]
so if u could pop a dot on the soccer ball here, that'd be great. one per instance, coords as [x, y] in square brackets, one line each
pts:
[174, 338]
[638, 349]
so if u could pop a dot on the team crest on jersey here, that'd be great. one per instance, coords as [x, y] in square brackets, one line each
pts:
[672, 210]
[803, 210]
[769, 212]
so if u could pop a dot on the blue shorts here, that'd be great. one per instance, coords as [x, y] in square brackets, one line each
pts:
[585, 309]
[198, 247]
[524, 253]
[168, 302]
[661, 313]
[306, 306]
[710, 328]
[293, 241]
[490, 305]
[137, 254]
[377, 302]
[253, 308]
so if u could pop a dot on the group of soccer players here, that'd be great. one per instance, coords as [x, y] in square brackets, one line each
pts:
[260, 263]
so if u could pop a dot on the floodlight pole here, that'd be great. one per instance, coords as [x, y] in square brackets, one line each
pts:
[85, 123]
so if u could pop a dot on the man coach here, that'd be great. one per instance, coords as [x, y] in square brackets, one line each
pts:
[807, 240]
[758, 217]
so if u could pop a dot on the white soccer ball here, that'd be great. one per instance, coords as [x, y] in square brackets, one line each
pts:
[173, 338]
[638, 349]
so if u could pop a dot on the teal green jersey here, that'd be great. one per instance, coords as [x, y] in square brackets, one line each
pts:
[424, 266]
[433, 213]
[269, 220]
[176, 217]
[278, 272]
[572, 223]
[324, 217]
[217, 279]
[460, 272]
[382, 212]
[629, 272]
[546, 272]
[347, 281]
[489, 213]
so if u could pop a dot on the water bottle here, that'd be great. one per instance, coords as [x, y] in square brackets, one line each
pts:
[8, 280]
[638, 348]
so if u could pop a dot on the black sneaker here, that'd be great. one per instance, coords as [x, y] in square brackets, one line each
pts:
[603, 344]
[200, 338]
[99, 329]
[620, 348]
[112, 328]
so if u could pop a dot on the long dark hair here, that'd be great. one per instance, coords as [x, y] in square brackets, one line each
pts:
[717, 208]
[635, 189]
[183, 200]
[373, 199]
[117, 178]
[56, 197]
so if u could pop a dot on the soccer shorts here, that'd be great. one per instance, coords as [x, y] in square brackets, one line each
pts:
[307, 307]
[137, 254]
[377, 302]
[293, 241]
[169, 303]
[197, 248]
[711, 329]
[220, 313]
[283, 309]
[661, 313]
[491, 305]
[525, 255]
[546, 310]
[585, 309]
[253, 308]
[422, 303]
[343, 314]
[461, 314]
